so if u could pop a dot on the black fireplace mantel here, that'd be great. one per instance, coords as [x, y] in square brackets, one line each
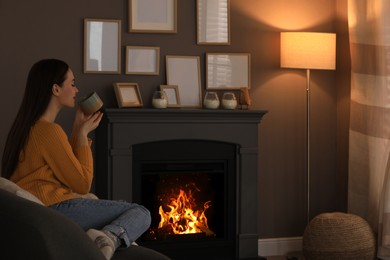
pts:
[121, 129]
[184, 115]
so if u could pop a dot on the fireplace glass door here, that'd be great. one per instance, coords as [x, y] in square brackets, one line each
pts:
[190, 189]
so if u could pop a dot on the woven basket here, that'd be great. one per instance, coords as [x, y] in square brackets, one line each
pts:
[338, 236]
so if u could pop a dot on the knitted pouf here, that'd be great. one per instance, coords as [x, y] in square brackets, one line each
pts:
[338, 236]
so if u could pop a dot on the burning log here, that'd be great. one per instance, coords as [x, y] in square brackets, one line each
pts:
[183, 218]
[207, 231]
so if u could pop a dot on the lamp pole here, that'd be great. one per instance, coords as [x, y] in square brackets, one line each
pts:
[308, 142]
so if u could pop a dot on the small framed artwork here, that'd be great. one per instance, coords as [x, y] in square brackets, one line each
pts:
[102, 51]
[184, 72]
[142, 60]
[227, 71]
[153, 16]
[213, 22]
[172, 92]
[128, 95]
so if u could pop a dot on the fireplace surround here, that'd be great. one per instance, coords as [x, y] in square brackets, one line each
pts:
[123, 131]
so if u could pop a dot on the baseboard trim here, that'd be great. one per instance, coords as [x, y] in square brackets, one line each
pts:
[279, 246]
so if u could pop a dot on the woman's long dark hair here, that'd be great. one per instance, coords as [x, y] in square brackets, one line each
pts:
[41, 78]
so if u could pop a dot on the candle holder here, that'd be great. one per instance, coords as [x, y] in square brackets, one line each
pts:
[229, 100]
[160, 99]
[211, 100]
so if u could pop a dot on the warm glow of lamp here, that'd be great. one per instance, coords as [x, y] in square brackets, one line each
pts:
[308, 50]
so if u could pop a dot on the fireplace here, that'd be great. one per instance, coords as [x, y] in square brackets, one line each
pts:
[190, 188]
[159, 157]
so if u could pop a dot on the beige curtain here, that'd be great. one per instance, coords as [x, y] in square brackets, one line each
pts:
[369, 164]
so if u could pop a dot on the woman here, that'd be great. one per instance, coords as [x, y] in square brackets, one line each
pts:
[39, 158]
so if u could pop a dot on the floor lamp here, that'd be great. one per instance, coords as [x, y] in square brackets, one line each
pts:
[308, 50]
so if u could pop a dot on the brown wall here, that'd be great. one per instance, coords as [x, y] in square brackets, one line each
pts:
[51, 28]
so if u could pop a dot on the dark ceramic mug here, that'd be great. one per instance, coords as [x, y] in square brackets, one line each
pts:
[91, 104]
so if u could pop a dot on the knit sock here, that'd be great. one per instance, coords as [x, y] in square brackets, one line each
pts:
[114, 238]
[104, 242]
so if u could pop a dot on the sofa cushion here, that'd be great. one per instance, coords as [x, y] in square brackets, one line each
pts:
[10, 186]
[32, 231]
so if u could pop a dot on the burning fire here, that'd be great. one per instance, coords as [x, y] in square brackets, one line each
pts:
[182, 218]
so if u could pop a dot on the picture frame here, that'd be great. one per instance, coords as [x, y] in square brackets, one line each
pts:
[102, 46]
[213, 22]
[128, 95]
[226, 71]
[142, 60]
[172, 92]
[184, 71]
[152, 16]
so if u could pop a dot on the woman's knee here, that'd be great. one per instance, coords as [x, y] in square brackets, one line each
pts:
[147, 220]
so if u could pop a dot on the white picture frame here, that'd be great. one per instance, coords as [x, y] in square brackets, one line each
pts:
[184, 71]
[102, 46]
[142, 60]
[173, 95]
[213, 22]
[152, 16]
[226, 71]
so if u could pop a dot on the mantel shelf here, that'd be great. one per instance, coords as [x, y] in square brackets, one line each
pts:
[143, 115]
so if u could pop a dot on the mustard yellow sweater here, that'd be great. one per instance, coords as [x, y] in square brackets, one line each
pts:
[50, 168]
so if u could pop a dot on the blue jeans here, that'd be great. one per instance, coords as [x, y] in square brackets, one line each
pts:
[127, 221]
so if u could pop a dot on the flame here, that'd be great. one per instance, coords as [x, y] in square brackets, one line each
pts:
[182, 218]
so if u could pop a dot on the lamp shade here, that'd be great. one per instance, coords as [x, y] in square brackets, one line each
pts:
[308, 50]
